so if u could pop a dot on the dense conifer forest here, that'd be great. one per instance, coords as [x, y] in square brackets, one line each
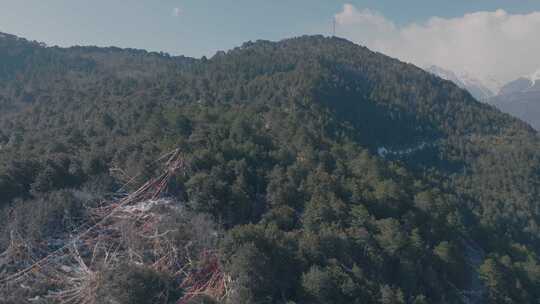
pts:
[313, 171]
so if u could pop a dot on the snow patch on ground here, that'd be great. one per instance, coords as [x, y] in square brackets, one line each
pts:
[384, 151]
[145, 206]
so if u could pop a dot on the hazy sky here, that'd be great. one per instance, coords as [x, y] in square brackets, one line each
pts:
[498, 45]
[482, 36]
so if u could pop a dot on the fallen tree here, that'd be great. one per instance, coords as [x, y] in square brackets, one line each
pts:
[125, 231]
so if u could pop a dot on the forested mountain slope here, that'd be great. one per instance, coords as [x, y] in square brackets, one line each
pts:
[332, 174]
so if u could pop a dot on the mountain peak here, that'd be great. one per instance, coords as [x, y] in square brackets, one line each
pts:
[534, 77]
[529, 83]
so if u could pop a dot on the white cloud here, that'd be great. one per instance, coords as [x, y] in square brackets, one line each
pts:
[177, 11]
[486, 44]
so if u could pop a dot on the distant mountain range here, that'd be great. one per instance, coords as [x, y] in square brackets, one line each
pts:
[520, 97]
[481, 90]
[522, 84]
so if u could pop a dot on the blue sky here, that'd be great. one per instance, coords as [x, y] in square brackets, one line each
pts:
[204, 26]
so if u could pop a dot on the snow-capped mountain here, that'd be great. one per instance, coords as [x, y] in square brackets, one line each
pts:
[523, 84]
[466, 81]
[492, 83]
[535, 77]
[521, 98]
